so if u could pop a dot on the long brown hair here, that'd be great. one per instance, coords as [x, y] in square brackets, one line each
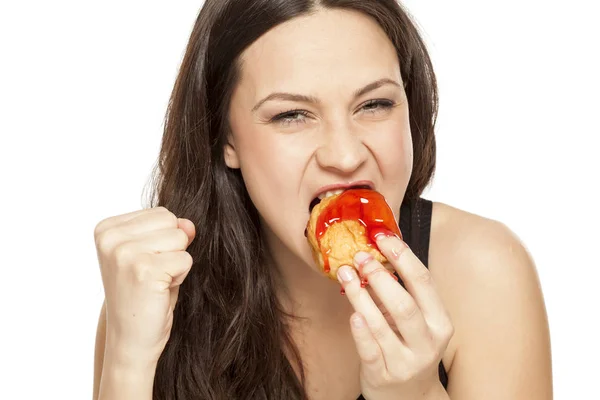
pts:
[229, 338]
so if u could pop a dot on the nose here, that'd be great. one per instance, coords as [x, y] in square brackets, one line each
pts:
[342, 150]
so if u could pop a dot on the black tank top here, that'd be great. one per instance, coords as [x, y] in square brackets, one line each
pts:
[415, 225]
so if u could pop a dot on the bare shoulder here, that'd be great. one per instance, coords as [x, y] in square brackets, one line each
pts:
[489, 284]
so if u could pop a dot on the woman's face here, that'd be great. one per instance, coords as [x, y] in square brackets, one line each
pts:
[320, 101]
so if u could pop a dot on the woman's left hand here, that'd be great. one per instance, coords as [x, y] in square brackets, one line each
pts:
[400, 334]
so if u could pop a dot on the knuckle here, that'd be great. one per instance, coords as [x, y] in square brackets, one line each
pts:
[98, 229]
[424, 276]
[188, 259]
[105, 241]
[445, 332]
[378, 331]
[99, 238]
[405, 309]
[370, 358]
[182, 236]
[103, 225]
[170, 217]
[142, 272]
[123, 254]
[142, 267]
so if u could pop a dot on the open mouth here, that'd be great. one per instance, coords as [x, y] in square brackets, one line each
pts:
[329, 193]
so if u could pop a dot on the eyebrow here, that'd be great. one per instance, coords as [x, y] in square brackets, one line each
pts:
[311, 99]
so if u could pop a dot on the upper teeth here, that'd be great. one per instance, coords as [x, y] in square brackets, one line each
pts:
[330, 193]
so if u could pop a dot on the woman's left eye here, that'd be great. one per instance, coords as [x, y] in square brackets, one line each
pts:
[290, 117]
[373, 106]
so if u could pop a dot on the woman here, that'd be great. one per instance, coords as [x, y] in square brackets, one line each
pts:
[275, 103]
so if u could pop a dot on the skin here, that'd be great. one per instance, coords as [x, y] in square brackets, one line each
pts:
[479, 307]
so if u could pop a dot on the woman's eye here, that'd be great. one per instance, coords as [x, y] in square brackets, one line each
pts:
[290, 117]
[373, 106]
[298, 116]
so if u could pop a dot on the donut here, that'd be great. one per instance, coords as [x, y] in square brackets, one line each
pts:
[343, 224]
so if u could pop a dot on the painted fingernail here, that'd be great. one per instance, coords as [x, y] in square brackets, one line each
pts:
[358, 322]
[362, 257]
[380, 233]
[345, 274]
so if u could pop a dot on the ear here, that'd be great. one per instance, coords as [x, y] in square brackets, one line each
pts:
[231, 157]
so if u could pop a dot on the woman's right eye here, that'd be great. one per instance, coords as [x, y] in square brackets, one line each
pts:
[290, 117]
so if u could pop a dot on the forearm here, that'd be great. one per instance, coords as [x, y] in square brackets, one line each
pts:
[126, 381]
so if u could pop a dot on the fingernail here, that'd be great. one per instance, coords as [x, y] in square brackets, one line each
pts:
[380, 233]
[345, 274]
[362, 257]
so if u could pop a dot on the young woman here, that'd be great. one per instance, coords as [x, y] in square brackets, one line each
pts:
[212, 292]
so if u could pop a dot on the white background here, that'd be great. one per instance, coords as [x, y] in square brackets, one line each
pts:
[83, 90]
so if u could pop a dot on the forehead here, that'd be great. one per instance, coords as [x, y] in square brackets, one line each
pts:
[331, 48]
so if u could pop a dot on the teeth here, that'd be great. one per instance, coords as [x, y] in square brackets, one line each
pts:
[330, 193]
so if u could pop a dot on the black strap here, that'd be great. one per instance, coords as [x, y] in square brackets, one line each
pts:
[415, 226]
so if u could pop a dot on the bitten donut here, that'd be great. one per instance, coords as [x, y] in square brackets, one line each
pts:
[343, 224]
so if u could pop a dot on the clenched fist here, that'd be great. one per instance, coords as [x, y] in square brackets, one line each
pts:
[143, 260]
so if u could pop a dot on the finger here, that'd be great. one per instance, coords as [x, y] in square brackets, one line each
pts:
[155, 220]
[363, 303]
[416, 277]
[172, 267]
[120, 219]
[397, 301]
[371, 357]
[188, 227]
[160, 241]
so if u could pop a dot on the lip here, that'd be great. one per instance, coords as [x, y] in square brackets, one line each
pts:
[346, 185]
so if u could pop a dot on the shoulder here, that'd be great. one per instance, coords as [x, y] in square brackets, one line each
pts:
[489, 285]
[473, 251]
[470, 239]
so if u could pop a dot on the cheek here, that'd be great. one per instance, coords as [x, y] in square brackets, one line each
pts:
[393, 152]
[393, 149]
[272, 169]
[268, 162]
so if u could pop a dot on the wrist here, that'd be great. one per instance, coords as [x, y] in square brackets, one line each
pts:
[130, 363]
[126, 380]
[130, 357]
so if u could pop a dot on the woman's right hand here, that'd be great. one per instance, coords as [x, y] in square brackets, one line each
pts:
[143, 260]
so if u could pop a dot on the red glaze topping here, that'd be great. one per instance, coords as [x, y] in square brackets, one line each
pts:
[366, 206]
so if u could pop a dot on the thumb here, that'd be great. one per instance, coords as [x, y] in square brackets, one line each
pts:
[188, 227]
